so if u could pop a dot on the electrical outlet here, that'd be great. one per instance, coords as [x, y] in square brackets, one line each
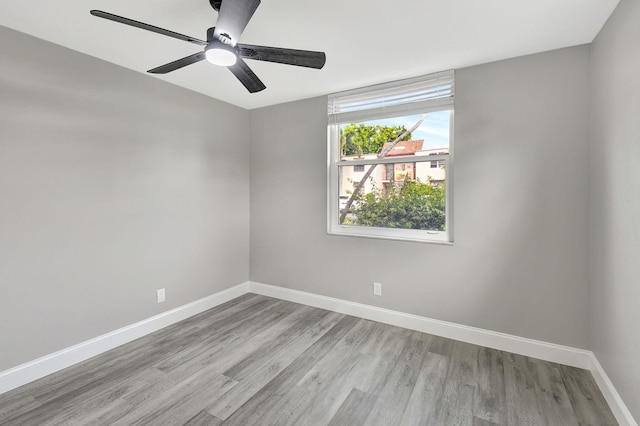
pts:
[160, 295]
[377, 289]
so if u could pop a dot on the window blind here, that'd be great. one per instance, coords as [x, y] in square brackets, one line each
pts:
[428, 93]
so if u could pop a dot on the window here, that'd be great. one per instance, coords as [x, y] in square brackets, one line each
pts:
[391, 160]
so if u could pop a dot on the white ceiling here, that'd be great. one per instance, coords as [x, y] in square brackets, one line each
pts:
[366, 41]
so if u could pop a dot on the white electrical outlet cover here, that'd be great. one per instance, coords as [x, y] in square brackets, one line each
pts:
[377, 289]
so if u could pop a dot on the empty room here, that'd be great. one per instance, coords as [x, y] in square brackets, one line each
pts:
[235, 212]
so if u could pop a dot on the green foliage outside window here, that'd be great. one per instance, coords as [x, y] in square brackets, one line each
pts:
[411, 205]
[360, 138]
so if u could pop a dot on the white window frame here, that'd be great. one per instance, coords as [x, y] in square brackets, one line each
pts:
[373, 111]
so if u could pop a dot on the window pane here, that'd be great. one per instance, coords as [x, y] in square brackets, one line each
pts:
[367, 140]
[394, 195]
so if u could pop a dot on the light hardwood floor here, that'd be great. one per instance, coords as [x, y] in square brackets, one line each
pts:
[262, 361]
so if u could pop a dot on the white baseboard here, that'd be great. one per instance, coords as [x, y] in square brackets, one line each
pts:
[41, 367]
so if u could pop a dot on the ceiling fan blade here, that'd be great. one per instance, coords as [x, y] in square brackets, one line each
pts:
[152, 28]
[172, 66]
[301, 58]
[233, 18]
[247, 77]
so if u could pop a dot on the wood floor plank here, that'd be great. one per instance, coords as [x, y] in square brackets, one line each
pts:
[586, 399]
[552, 395]
[105, 413]
[427, 392]
[179, 403]
[226, 350]
[321, 392]
[260, 405]
[209, 320]
[203, 418]
[271, 367]
[522, 402]
[400, 382]
[477, 421]
[490, 399]
[257, 360]
[442, 346]
[54, 410]
[456, 405]
[101, 402]
[15, 406]
[252, 322]
[310, 322]
[377, 340]
[354, 410]
[383, 358]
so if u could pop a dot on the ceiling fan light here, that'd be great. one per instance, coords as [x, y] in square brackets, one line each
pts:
[221, 54]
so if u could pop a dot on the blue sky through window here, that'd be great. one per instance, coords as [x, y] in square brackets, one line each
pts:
[434, 130]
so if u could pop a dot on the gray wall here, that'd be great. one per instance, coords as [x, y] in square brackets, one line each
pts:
[112, 184]
[519, 263]
[615, 201]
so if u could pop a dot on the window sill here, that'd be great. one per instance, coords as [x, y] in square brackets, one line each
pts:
[407, 235]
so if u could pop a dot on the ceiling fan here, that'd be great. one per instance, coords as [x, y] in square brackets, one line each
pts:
[222, 47]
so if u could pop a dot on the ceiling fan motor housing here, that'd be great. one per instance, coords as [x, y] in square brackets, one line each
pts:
[211, 36]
